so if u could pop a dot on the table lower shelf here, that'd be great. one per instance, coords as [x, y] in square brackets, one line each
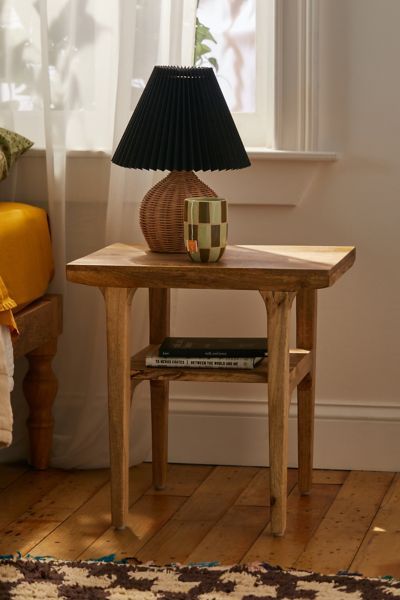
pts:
[300, 365]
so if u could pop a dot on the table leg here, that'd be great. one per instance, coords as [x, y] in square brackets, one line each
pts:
[278, 306]
[306, 332]
[159, 303]
[118, 302]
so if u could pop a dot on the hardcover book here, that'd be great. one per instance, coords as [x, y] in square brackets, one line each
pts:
[198, 347]
[154, 360]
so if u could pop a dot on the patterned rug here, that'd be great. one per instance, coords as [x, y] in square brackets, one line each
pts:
[51, 580]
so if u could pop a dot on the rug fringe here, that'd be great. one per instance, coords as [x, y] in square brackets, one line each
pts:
[132, 560]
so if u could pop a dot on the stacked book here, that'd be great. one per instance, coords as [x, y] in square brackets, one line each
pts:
[208, 353]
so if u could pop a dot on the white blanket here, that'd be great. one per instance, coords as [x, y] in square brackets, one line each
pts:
[6, 386]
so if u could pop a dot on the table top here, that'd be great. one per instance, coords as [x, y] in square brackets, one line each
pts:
[241, 267]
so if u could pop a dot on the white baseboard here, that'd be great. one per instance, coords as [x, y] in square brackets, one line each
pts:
[347, 435]
[226, 431]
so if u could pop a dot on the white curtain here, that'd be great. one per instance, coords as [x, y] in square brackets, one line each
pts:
[72, 72]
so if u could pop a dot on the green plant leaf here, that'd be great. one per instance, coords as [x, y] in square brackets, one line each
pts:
[203, 32]
[200, 50]
[213, 61]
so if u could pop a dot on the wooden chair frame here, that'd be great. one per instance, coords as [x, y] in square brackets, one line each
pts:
[39, 324]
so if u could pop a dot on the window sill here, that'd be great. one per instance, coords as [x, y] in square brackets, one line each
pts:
[291, 155]
[276, 177]
[254, 153]
[38, 152]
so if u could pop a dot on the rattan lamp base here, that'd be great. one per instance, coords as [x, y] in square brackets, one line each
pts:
[161, 211]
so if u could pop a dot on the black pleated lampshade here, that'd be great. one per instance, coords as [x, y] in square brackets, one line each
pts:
[181, 123]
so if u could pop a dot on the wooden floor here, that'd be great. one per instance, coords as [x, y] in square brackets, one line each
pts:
[351, 521]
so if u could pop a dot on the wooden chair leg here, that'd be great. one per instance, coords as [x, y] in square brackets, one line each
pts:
[159, 304]
[306, 326]
[40, 388]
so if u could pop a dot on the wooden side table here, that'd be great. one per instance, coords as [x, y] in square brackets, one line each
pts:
[280, 274]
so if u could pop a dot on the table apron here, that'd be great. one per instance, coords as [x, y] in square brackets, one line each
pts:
[101, 278]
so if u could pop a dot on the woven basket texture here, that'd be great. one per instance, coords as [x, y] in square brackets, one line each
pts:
[161, 211]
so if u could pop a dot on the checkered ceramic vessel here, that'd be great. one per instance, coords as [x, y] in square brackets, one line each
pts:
[205, 228]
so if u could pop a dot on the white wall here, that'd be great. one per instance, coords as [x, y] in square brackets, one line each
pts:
[354, 201]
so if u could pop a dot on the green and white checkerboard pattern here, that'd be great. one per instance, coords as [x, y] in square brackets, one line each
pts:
[205, 228]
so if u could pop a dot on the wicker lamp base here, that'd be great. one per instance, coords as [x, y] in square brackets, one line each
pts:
[161, 211]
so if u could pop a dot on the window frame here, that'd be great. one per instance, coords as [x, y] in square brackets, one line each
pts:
[287, 102]
[297, 75]
[258, 129]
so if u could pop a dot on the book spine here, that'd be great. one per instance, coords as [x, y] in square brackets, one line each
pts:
[199, 363]
[210, 354]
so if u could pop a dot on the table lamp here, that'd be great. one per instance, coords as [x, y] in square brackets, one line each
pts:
[180, 124]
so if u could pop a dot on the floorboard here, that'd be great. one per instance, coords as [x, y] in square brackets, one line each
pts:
[379, 554]
[351, 520]
[338, 537]
[149, 513]
[304, 515]
[188, 527]
[20, 495]
[10, 473]
[74, 535]
[54, 507]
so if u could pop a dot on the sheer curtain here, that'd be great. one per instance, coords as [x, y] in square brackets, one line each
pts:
[71, 74]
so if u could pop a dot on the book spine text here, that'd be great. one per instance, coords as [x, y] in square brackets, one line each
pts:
[206, 363]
